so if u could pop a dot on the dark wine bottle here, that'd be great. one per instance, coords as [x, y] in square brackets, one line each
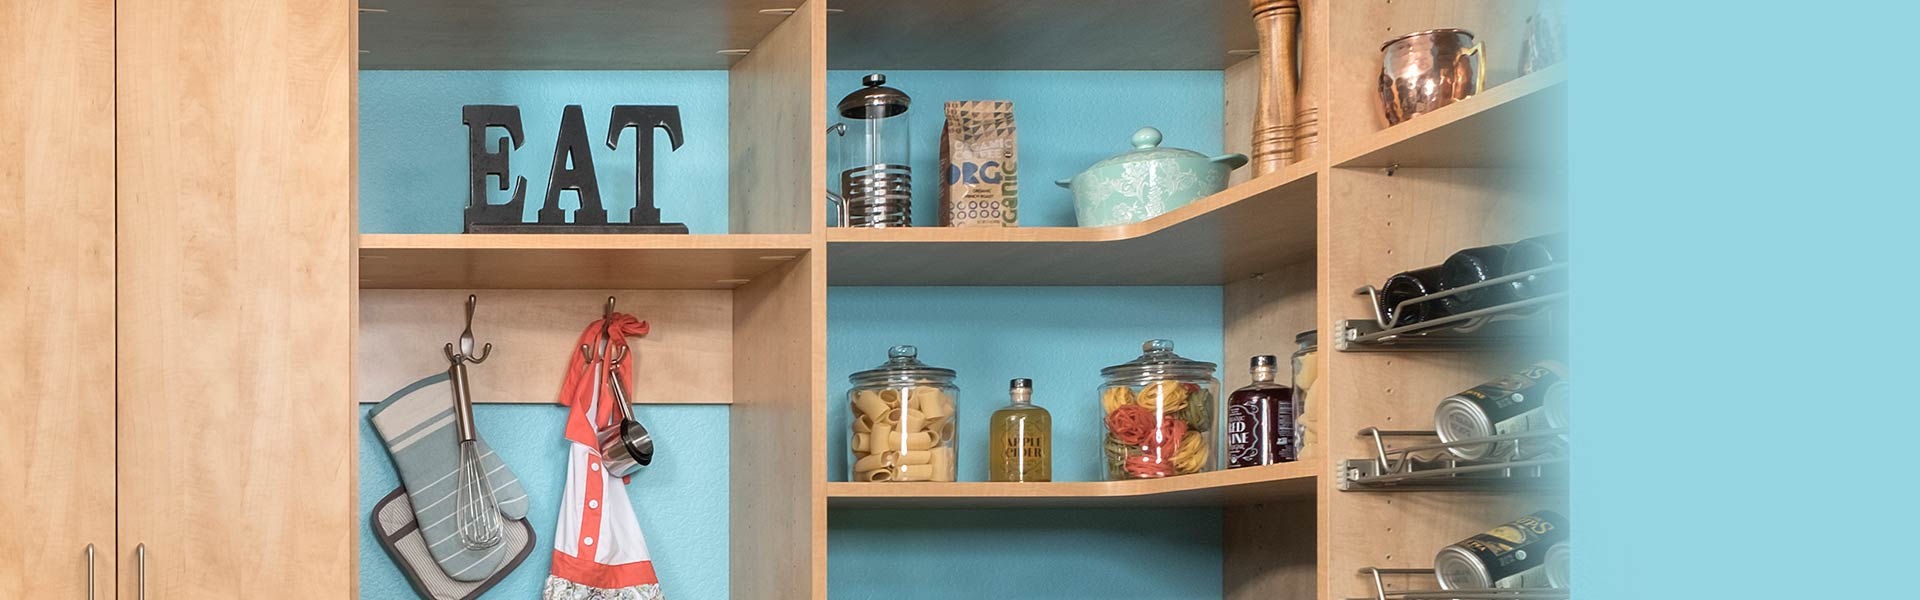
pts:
[1471, 266]
[1407, 286]
[1533, 253]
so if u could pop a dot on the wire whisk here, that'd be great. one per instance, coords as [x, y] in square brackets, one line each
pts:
[476, 513]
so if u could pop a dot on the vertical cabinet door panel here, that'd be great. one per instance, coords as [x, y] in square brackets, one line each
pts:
[56, 298]
[235, 231]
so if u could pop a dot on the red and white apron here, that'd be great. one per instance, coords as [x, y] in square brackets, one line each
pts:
[599, 552]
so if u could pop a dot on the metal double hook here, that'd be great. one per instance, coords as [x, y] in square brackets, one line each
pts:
[604, 343]
[466, 340]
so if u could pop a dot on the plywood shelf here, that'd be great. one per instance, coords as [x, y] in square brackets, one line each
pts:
[562, 34]
[1026, 35]
[1219, 488]
[1257, 226]
[1522, 123]
[538, 261]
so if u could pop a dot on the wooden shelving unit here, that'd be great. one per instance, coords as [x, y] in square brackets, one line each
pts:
[1521, 123]
[1250, 228]
[1287, 248]
[535, 261]
[1290, 481]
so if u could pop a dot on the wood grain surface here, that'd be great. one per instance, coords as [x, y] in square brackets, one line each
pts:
[687, 358]
[236, 292]
[56, 298]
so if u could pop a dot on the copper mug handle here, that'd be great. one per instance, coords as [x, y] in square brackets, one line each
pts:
[1478, 52]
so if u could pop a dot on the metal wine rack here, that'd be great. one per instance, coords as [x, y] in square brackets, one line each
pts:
[1503, 325]
[1531, 460]
[1380, 590]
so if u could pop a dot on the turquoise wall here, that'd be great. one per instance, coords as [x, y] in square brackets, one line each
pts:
[413, 180]
[413, 146]
[681, 499]
[1055, 554]
[1058, 336]
[413, 165]
[1067, 120]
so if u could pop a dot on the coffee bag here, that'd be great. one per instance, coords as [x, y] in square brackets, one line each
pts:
[979, 158]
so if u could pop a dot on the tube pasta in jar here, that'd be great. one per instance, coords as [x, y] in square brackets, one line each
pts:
[908, 420]
[870, 404]
[931, 402]
[902, 419]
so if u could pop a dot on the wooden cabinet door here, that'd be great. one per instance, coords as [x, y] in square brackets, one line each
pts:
[236, 299]
[56, 298]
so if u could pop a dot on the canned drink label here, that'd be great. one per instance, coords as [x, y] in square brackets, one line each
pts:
[1517, 548]
[1514, 395]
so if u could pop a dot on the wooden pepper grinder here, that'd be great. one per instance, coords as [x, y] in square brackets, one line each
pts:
[1277, 22]
[1306, 120]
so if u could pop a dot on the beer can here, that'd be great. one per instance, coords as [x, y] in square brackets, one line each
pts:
[1513, 555]
[1558, 395]
[1560, 566]
[1510, 404]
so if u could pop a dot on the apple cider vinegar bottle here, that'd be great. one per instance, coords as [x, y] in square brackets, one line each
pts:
[1020, 438]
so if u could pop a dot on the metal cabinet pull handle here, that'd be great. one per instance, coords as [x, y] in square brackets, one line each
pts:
[89, 571]
[140, 553]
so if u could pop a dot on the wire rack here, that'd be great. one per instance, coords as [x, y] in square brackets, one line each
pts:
[1527, 460]
[1525, 320]
[1380, 591]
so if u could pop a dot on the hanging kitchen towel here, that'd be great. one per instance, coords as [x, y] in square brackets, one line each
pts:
[398, 531]
[599, 552]
[417, 425]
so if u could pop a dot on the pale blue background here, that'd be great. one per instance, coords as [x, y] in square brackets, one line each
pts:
[413, 146]
[413, 165]
[413, 180]
[1744, 215]
[1059, 337]
[1024, 554]
[1067, 121]
[675, 498]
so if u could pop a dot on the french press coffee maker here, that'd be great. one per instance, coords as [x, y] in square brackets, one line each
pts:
[876, 183]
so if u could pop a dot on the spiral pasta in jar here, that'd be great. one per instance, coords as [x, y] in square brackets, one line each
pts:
[1159, 415]
[903, 417]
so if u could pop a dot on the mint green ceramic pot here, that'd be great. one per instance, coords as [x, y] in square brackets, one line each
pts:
[1146, 182]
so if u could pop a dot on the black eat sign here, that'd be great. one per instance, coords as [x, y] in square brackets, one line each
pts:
[572, 170]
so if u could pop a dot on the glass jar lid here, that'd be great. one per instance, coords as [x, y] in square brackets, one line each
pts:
[875, 101]
[903, 366]
[1157, 361]
[1308, 339]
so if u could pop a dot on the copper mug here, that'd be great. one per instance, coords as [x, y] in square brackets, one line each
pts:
[1426, 70]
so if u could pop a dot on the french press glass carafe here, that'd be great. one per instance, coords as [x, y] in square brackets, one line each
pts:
[876, 185]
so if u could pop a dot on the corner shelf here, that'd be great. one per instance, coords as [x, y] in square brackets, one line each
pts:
[1478, 132]
[520, 35]
[1045, 36]
[558, 261]
[1255, 227]
[1218, 488]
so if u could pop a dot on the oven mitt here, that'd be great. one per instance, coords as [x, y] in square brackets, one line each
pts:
[416, 423]
[398, 532]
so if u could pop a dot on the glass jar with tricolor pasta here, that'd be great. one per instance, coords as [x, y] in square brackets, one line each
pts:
[903, 416]
[1159, 415]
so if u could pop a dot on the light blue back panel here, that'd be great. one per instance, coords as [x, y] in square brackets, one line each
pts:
[413, 146]
[681, 499]
[413, 180]
[1067, 121]
[1051, 554]
[1060, 337]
